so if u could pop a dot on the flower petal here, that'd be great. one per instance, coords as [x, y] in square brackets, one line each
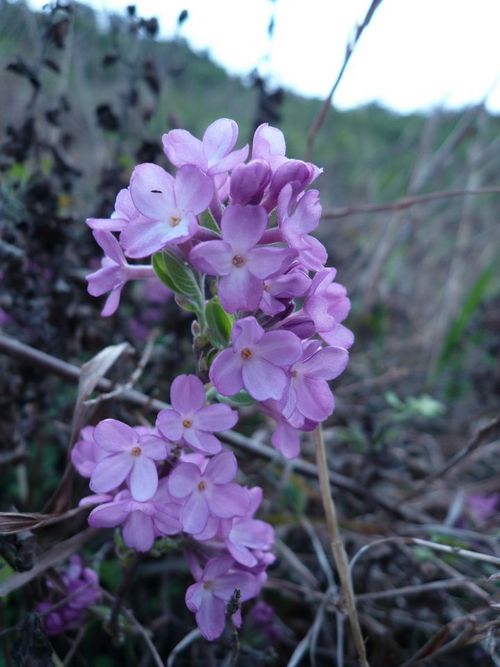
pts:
[222, 468]
[153, 447]
[219, 139]
[194, 514]
[242, 226]
[228, 500]
[211, 616]
[263, 380]
[193, 189]
[143, 479]
[281, 348]
[216, 417]
[225, 372]
[202, 441]
[263, 262]
[240, 290]
[212, 257]
[182, 148]
[326, 364]
[110, 472]
[187, 394]
[138, 531]
[246, 583]
[183, 479]
[114, 436]
[152, 191]
[109, 515]
[169, 423]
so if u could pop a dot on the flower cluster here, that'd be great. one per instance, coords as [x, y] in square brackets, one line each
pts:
[176, 479]
[76, 591]
[232, 239]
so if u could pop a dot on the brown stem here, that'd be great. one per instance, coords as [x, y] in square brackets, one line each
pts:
[337, 545]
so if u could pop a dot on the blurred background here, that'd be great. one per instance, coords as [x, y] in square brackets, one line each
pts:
[87, 90]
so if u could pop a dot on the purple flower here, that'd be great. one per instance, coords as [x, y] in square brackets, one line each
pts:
[208, 493]
[169, 206]
[81, 587]
[127, 455]
[124, 212]
[215, 586]
[213, 154]
[190, 420]
[309, 396]
[279, 289]
[269, 145]
[85, 453]
[114, 272]
[244, 535]
[327, 305]
[483, 506]
[141, 521]
[257, 361]
[296, 226]
[241, 265]
[249, 181]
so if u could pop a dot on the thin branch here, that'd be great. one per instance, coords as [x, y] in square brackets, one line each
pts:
[320, 118]
[406, 202]
[417, 589]
[337, 545]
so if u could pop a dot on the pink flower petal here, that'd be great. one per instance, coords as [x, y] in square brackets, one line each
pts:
[182, 148]
[225, 373]
[169, 423]
[108, 515]
[187, 394]
[219, 139]
[153, 447]
[193, 189]
[110, 246]
[138, 531]
[194, 514]
[228, 500]
[110, 472]
[183, 479]
[143, 479]
[194, 595]
[263, 380]
[222, 468]
[211, 616]
[242, 226]
[112, 302]
[216, 417]
[152, 191]
[263, 262]
[240, 290]
[114, 436]
[326, 364]
[202, 441]
[212, 257]
[246, 583]
[281, 348]
[216, 567]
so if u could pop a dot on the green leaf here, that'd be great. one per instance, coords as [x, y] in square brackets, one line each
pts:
[239, 400]
[178, 276]
[219, 323]
[208, 221]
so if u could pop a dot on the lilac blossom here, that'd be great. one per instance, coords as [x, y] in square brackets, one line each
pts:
[278, 290]
[244, 535]
[169, 207]
[213, 154]
[124, 212]
[208, 493]
[327, 305]
[127, 455]
[296, 225]
[81, 588]
[85, 453]
[257, 361]
[241, 265]
[309, 396]
[269, 145]
[114, 272]
[142, 521]
[191, 421]
[248, 182]
[215, 586]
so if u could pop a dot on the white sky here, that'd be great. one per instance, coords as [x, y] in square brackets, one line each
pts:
[414, 55]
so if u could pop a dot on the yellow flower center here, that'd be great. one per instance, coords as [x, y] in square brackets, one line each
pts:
[136, 451]
[246, 353]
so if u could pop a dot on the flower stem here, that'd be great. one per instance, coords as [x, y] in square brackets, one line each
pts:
[337, 545]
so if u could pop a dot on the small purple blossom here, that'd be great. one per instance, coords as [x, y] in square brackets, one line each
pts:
[213, 154]
[85, 453]
[127, 455]
[168, 205]
[208, 493]
[327, 305]
[257, 361]
[278, 290]
[309, 396]
[240, 263]
[191, 421]
[81, 588]
[114, 272]
[215, 586]
[143, 521]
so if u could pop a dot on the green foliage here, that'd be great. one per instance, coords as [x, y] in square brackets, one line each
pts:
[219, 323]
[180, 278]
